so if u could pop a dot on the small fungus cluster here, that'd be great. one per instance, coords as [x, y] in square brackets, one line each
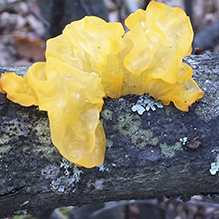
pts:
[93, 59]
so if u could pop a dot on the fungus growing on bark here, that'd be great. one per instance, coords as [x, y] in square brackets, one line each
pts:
[93, 59]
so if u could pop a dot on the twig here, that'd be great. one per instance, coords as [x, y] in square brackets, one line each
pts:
[44, 21]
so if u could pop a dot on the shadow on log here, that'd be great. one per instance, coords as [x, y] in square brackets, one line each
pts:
[164, 152]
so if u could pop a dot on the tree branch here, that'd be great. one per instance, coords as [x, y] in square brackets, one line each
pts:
[162, 152]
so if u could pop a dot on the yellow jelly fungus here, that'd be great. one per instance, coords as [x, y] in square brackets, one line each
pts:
[152, 62]
[17, 88]
[93, 59]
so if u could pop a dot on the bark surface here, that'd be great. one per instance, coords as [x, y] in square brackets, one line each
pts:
[162, 152]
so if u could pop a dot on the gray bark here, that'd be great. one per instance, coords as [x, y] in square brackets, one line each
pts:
[165, 152]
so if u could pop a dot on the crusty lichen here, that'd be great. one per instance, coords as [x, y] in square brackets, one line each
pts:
[170, 150]
[208, 106]
[64, 163]
[4, 148]
[43, 131]
[205, 77]
[142, 138]
[214, 166]
[98, 184]
[15, 127]
[66, 182]
[50, 172]
[44, 144]
[109, 143]
[183, 140]
[4, 143]
[4, 139]
[106, 114]
[145, 103]
[129, 125]
[12, 129]
[103, 168]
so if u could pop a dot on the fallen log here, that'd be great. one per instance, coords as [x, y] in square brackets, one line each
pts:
[165, 152]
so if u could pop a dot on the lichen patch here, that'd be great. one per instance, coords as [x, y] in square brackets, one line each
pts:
[170, 150]
[146, 103]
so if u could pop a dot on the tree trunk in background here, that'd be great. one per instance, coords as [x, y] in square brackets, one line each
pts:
[59, 13]
[164, 152]
[208, 37]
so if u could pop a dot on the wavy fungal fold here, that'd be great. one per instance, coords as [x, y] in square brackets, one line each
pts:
[93, 59]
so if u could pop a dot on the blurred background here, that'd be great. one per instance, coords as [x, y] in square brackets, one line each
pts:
[25, 25]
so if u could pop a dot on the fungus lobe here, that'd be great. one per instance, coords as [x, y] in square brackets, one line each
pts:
[93, 59]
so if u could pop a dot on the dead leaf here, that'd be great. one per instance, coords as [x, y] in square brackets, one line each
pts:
[30, 47]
